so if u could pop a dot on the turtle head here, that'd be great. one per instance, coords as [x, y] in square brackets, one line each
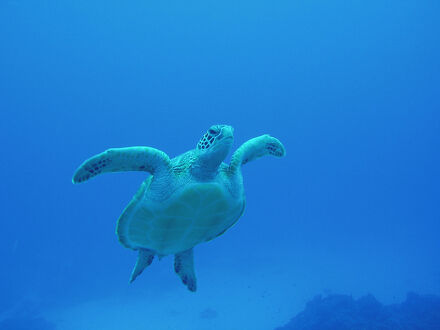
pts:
[214, 146]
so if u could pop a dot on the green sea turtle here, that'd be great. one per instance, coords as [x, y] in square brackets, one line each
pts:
[187, 200]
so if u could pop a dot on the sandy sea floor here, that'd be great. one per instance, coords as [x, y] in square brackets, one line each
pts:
[225, 304]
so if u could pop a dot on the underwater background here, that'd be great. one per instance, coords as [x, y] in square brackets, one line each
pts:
[351, 88]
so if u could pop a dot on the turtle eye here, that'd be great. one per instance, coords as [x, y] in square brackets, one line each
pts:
[213, 131]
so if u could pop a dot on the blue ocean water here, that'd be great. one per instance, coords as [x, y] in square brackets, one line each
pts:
[351, 88]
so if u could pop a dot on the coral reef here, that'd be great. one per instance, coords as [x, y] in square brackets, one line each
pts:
[343, 312]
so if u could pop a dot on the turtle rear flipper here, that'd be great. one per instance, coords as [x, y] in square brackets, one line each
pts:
[184, 267]
[145, 258]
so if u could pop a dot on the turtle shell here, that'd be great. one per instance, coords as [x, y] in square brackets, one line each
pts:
[195, 213]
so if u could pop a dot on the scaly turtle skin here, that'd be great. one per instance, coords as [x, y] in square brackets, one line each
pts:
[187, 200]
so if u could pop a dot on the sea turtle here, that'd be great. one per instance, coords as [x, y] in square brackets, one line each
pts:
[187, 200]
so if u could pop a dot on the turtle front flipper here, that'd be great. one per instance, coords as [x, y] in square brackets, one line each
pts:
[255, 148]
[184, 267]
[145, 159]
[145, 258]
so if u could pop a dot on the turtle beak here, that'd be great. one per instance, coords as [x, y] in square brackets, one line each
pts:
[227, 132]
